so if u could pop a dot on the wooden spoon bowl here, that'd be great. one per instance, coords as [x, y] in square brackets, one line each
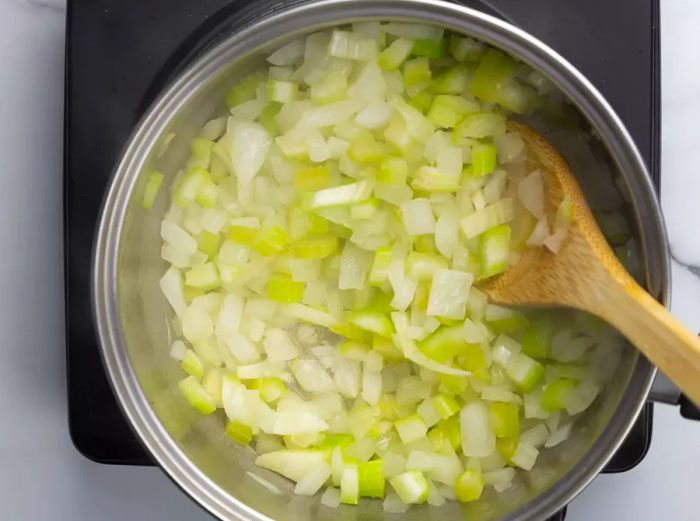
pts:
[585, 274]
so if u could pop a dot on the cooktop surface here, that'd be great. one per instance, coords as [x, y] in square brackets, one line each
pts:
[120, 53]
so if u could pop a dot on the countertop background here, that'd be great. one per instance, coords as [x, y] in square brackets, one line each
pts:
[42, 477]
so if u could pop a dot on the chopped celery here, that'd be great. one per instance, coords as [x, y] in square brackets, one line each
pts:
[505, 419]
[484, 159]
[446, 110]
[281, 91]
[267, 119]
[411, 428]
[245, 235]
[536, 340]
[466, 49]
[507, 446]
[488, 217]
[495, 250]
[524, 371]
[429, 48]
[445, 405]
[504, 320]
[350, 485]
[244, 89]
[422, 266]
[380, 267]
[192, 364]
[210, 243]
[412, 487]
[372, 321]
[371, 478]
[452, 81]
[365, 149]
[281, 288]
[317, 247]
[393, 171]
[556, 393]
[480, 125]
[312, 179]
[271, 240]
[416, 71]
[423, 100]
[444, 343]
[469, 485]
[155, 179]
[195, 394]
[393, 56]
[203, 276]
[494, 82]
[331, 88]
[239, 432]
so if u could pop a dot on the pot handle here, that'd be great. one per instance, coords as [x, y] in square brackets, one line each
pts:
[664, 391]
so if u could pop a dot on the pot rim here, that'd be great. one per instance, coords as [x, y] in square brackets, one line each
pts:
[304, 18]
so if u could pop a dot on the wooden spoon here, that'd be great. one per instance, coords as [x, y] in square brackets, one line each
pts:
[585, 274]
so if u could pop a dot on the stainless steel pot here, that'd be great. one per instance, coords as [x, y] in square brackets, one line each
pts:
[132, 317]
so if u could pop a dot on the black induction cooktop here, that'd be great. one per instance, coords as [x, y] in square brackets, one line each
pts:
[120, 53]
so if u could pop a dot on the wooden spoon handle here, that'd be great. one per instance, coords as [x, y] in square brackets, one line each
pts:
[663, 339]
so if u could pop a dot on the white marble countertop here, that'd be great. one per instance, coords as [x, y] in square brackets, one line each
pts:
[43, 477]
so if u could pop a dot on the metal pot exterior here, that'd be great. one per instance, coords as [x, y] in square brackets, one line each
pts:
[132, 317]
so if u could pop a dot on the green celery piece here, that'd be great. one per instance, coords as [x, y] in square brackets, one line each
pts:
[271, 241]
[195, 394]
[239, 432]
[371, 478]
[281, 288]
[422, 266]
[372, 321]
[555, 394]
[480, 125]
[411, 486]
[393, 56]
[505, 419]
[379, 272]
[494, 250]
[466, 49]
[317, 247]
[507, 446]
[244, 90]
[504, 320]
[536, 340]
[484, 159]
[472, 358]
[312, 178]
[525, 371]
[192, 364]
[447, 109]
[267, 117]
[243, 235]
[443, 344]
[203, 276]
[452, 81]
[430, 48]
[469, 485]
[422, 101]
[495, 69]
[209, 243]
[416, 71]
[365, 149]
[393, 170]
[150, 192]
[494, 82]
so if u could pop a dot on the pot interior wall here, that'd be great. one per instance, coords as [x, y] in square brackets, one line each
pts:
[146, 320]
